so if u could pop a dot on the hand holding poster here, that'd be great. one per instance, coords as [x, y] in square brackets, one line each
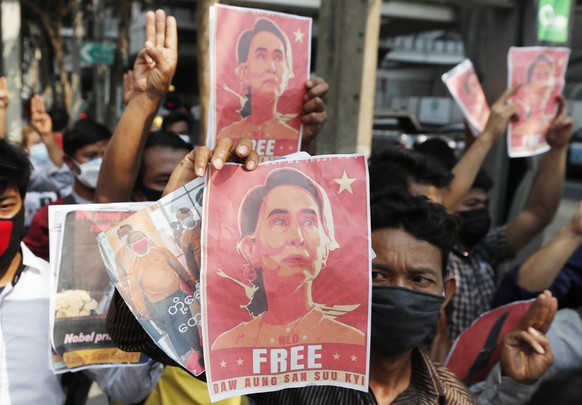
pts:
[286, 253]
[540, 73]
[259, 62]
[464, 85]
[81, 290]
[153, 259]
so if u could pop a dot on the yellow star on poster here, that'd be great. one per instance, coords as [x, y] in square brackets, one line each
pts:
[223, 364]
[336, 356]
[239, 362]
[298, 35]
[345, 183]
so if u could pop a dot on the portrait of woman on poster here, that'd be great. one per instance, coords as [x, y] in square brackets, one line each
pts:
[264, 67]
[533, 96]
[286, 234]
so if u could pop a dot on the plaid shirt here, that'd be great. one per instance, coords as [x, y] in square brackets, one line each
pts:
[476, 279]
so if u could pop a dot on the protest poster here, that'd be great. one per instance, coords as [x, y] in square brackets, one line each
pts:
[465, 87]
[540, 72]
[476, 350]
[286, 279]
[153, 259]
[259, 62]
[80, 289]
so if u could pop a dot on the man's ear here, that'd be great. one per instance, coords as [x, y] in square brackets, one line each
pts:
[450, 289]
[69, 162]
[246, 247]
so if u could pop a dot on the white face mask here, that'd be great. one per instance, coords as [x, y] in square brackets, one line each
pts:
[89, 172]
[38, 154]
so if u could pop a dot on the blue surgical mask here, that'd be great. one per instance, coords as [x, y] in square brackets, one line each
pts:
[38, 154]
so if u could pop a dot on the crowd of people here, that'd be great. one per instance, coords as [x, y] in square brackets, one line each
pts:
[435, 271]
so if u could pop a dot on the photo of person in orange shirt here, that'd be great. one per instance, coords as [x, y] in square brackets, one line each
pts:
[286, 234]
[157, 282]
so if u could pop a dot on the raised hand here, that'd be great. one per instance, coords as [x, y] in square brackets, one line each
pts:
[501, 113]
[155, 65]
[525, 352]
[314, 110]
[40, 120]
[560, 131]
[195, 163]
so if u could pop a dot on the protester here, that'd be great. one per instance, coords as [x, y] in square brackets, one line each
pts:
[181, 123]
[84, 145]
[483, 248]
[555, 266]
[24, 304]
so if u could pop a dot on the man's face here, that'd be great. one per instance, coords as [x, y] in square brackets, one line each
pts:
[433, 193]
[10, 203]
[265, 66]
[289, 238]
[88, 153]
[159, 162]
[476, 198]
[404, 261]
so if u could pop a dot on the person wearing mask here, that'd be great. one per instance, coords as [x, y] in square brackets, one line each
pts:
[481, 248]
[84, 145]
[24, 303]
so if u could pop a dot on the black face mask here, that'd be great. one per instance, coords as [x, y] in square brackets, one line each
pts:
[150, 193]
[402, 318]
[11, 233]
[474, 226]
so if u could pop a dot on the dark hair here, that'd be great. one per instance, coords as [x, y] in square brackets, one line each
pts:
[177, 116]
[251, 205]
[422, 219]
[396, 168]
[166, 139]
[542, 57]
[438, 149]
[482, 180]
[84, 132]
[15, 168]
[124, 226]
[244, 42]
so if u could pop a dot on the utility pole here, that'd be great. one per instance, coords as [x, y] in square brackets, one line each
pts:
[100, 69]
[347, 59]
[12, 70]
[202, 35]
[77, 14]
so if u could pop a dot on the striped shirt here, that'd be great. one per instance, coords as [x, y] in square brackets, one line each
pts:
[476, 279]
[430, 383]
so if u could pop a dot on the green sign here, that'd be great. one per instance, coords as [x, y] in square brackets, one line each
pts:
[553, 16]
[94, 52]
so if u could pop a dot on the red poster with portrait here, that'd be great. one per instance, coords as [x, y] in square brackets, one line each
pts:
[540, 72]
[464, 85]
[286, 275]
[259, 62]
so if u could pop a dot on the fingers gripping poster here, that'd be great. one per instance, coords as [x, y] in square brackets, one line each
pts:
[286, 282]
[153, 259]
[259, 62]
[540, 73]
